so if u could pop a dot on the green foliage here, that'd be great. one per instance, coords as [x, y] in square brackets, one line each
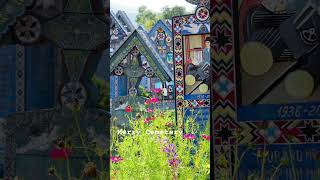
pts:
[148, 18]
[168, 13]
[144, 155]
[144, 92]
[103, 87]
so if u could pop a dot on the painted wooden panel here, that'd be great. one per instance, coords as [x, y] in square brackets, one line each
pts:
[123, 85]
[7, 80]
[265, 87]
[40, 65]
[192, 75]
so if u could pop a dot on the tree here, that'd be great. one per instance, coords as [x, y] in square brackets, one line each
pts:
[168, 13]
[148, 18]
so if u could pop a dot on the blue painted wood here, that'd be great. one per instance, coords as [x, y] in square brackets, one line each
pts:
[112, 88]
[303, 157]
[7, 80]
[40, 86]
[145, 83]
[160, 24]
[201, 115]
[166, 55]
[123, 85]
[122, 82]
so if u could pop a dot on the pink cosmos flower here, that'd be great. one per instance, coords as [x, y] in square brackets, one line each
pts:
[149, 110]
[146, 121]
[116, 159]
[62, 153]
[147, 102]
[128, 109]
[151, 100]
[154, 100]
[189, 136]
[156, 90]
[206, 137]
[149, 119]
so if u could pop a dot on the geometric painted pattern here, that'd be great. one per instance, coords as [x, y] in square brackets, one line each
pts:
[223, 95]
[224, 92]
[223, 86]
[228, 132]
[179, 25]
[20, 78]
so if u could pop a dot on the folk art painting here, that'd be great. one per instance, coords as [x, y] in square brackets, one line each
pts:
[48, 60]
[264, 89]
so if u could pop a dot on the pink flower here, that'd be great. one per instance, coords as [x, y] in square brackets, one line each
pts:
[189, 136]
[62, 153]
[147, 102]
[156, 90]
[151, 100]
[206, 137]
[128, 109]
[174, 162]
[149, 119]
[154, 100]
[149, 110]
[116, 159]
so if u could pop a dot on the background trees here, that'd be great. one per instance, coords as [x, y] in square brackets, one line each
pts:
[148, 18]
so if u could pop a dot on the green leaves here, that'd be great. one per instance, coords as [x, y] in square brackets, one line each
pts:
[144, 155]
[149, 18]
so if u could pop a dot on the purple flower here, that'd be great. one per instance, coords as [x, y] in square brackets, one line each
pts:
[170, 149]
[173, 162]
[171, 152]
[164, 141]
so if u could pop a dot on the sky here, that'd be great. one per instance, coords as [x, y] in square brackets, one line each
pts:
[131, 6]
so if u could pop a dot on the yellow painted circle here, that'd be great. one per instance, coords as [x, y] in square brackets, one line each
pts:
[256, 58]
[299, 84]
[190, 80]
[203, 88]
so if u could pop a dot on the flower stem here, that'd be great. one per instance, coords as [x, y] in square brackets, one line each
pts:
[68, 169]
[80, 135]
[238, 162]
[102, 168]
[276, 171]
[291, 163]
[57, 174]
[263, 162]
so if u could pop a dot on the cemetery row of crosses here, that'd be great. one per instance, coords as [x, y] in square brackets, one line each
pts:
[141, 61]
